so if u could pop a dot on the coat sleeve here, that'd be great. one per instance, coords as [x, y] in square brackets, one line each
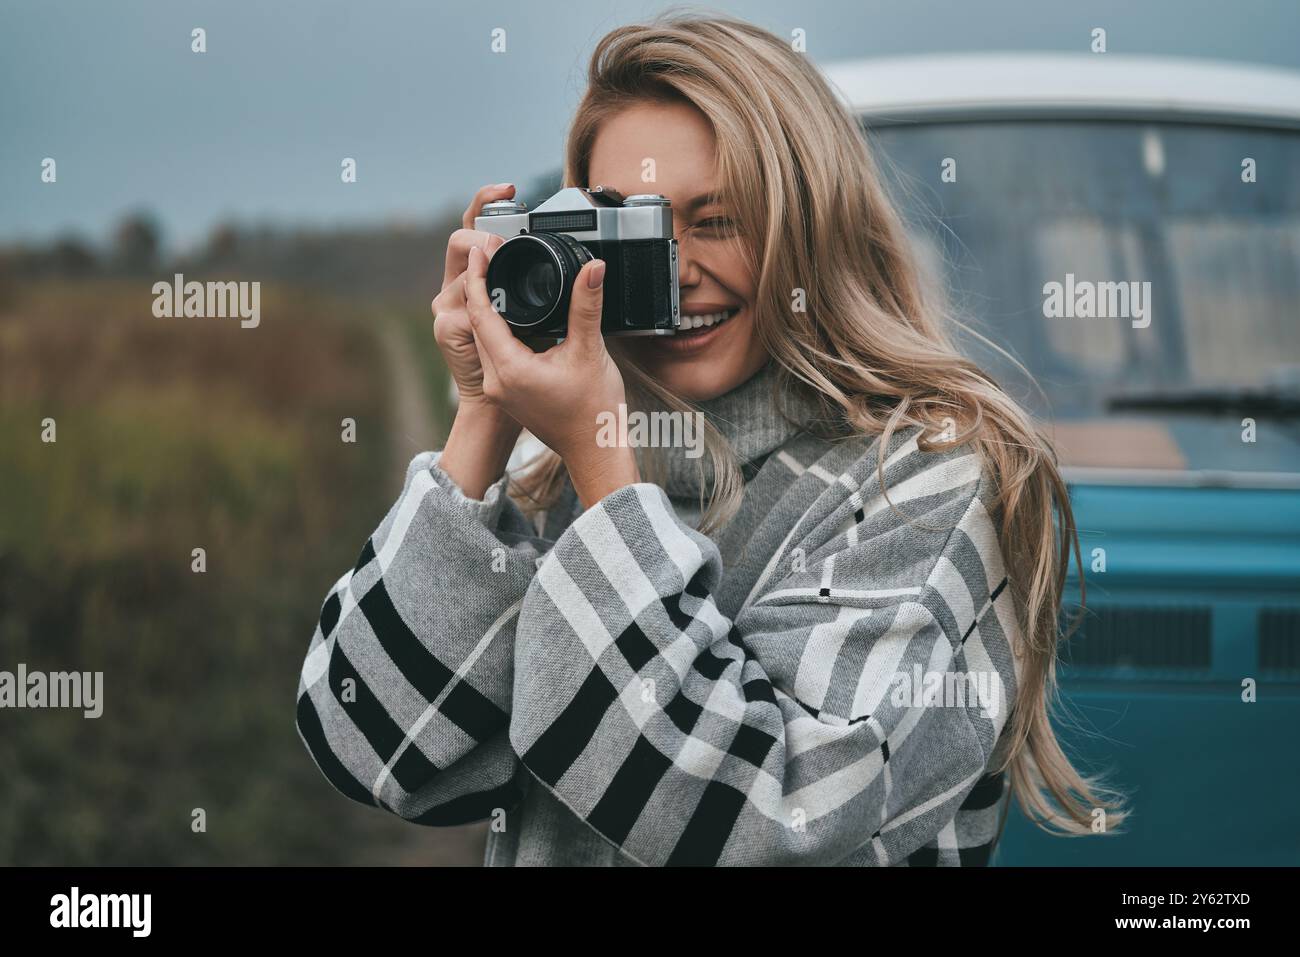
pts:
[799, 733]
[404, 696]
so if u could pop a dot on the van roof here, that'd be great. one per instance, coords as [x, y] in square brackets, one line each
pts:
[962, 86]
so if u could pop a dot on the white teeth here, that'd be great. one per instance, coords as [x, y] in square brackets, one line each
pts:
[696, 322]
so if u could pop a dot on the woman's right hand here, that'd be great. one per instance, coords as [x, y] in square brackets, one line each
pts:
[451, 328]
[482, 436]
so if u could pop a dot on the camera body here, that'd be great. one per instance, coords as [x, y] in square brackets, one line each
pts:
[530, 276]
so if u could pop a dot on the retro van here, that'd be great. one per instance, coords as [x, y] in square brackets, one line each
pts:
[1128, 229]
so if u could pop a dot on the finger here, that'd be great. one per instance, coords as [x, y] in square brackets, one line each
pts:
[490, 329]
[485, 195]
[490, 375]
[585, 307]
[458, 247]
[451, 298]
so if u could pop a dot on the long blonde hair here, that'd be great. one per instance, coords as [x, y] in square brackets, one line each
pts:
[795, 170]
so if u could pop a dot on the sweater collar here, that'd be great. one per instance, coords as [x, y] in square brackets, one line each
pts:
[750, 417]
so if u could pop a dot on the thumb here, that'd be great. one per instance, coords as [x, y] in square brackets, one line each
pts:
[585, 305]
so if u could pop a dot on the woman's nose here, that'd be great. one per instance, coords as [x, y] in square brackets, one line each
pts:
[688, 270]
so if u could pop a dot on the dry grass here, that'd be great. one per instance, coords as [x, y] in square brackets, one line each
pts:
[176, 434]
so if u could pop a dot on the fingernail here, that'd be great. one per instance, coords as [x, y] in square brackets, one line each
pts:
[597, 274]
[504, 186]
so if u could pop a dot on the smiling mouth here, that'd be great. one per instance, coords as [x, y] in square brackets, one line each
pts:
[696, 325]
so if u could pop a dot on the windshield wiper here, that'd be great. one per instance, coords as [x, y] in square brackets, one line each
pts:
[1268, 401]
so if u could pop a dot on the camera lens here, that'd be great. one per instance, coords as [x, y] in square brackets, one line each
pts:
[530, 278]
[539, 285]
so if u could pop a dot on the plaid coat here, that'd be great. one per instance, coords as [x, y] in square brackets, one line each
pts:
[822, 683]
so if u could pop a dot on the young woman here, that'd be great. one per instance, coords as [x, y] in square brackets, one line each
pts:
[829, 641]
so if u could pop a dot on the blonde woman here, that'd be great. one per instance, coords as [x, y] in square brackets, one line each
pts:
[830, 640]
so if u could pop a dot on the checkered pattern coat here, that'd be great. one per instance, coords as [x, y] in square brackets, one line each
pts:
[758, 698]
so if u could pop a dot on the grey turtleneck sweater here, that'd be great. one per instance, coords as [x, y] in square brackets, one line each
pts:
[825, 680]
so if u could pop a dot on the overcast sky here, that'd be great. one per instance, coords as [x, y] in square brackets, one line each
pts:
[255, 128]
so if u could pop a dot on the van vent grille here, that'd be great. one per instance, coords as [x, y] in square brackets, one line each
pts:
[1279, 639]
[1127, 636]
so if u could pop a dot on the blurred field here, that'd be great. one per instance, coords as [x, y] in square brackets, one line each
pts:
[175, 434]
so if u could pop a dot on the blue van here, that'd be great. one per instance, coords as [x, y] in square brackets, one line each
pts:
[1128, 229]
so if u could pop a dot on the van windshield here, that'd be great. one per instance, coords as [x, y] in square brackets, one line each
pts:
[1147, 274]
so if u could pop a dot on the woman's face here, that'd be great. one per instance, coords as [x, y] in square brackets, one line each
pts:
[676, 141]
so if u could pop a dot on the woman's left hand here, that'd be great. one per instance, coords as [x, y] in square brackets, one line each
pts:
[557, 395]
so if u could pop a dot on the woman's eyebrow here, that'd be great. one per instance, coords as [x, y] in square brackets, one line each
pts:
[703, 199]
